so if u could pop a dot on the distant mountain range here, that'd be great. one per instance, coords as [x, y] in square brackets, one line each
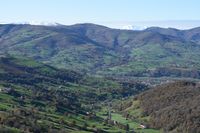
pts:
[153, 52]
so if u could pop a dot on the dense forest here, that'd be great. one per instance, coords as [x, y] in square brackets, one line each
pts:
[172, 107]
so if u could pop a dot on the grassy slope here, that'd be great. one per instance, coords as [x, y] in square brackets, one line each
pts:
[134, 124]
[43, 96]
[101, 50]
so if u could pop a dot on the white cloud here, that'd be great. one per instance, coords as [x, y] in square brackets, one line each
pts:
[132, 27]
[45, 23]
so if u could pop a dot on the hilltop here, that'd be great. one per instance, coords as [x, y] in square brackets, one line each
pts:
[96, 49]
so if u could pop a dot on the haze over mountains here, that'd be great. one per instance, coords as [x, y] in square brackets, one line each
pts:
[129, 25]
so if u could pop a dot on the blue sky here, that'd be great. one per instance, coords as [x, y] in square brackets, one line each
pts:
[113, 13]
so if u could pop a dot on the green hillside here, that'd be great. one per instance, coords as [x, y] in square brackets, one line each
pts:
[39, 98]
[154, 52]
[172, 107]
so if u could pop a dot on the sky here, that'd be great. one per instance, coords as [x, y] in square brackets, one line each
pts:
[112, 13]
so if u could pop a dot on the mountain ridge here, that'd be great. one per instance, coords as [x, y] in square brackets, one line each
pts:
[95, 48]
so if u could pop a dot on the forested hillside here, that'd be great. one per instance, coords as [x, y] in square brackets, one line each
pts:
[173, 107]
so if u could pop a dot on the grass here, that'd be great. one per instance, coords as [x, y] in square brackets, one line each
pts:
[46, 111]
[5, 129]
[134, 125]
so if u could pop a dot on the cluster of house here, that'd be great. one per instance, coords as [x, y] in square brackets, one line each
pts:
[5, 89]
